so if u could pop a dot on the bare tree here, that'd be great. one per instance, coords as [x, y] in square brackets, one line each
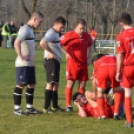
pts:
[99, 14]
[128, 2]
[103, 12]
[27, 11]
[113, 18]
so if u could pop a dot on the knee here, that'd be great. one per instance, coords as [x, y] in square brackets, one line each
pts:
[82, 84]
[18, 86]
[87, 93]
[128, 92]
[31, 86]
[70, 84]
[100, 92]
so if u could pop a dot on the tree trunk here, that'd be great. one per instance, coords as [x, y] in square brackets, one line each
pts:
[113, 19]
[26, 10]
[104, 26]
[67, 22]
[128, 2]
[34, 2]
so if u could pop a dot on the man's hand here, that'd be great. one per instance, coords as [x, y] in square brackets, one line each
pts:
[68, 56]
[76, 103]
[118, 77]
[91, 78]
[26, 57]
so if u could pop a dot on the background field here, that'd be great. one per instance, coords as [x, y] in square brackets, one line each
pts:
[57, 123]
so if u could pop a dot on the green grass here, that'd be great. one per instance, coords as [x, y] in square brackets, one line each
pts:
[58, 123]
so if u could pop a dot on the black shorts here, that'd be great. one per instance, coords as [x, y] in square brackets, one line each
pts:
[25, 75]
[52, 67]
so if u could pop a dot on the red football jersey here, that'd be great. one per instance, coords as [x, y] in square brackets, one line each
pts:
[125, 45]
[104, 61]
[90, 111]
[94, 112]
[93, 35]
[76, 45]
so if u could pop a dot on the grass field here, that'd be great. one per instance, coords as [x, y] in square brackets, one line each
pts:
[57, 123]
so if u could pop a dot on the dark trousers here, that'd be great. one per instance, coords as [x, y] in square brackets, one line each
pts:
[0, 40]
[94, 46]
[4, 41]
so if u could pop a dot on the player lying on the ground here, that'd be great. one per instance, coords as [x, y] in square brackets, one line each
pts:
[87, 105]
[109, 94]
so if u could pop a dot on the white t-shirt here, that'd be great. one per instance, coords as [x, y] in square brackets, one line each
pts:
[53, 41]
[26, 36]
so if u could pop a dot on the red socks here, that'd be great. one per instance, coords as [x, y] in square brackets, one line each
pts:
[101, 106]
[68, 94]
[81, 90]
[128, 109]
[117, 102]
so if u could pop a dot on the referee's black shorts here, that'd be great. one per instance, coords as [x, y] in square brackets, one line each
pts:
[52, 67]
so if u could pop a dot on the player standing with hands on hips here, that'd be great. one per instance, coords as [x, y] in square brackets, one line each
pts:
[125, 63]
[78, 52]
[52, 57]
[25, 67]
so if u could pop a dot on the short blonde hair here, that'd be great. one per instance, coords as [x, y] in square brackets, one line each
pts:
[37, 14]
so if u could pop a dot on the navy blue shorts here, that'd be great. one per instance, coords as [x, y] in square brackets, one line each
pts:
[25, 75]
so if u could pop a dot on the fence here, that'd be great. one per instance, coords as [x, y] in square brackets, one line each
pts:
[103, 45]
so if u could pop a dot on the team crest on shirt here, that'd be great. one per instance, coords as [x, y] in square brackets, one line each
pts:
[118, 43]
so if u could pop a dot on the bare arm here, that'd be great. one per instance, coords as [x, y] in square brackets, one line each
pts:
[65, 52]
[92, 102]
[17, 46]
[119, 65]
[94, 87]
[44, 45]
[82, 113]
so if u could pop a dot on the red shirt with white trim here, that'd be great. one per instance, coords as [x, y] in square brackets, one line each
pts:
[93, 111]
[107, 60]
[125, 45]
[76, 45]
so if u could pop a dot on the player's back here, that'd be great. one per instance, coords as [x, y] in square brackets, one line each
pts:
[127, 39]
[107, 60]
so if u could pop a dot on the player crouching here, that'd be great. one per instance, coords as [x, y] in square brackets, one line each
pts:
[104, 72]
